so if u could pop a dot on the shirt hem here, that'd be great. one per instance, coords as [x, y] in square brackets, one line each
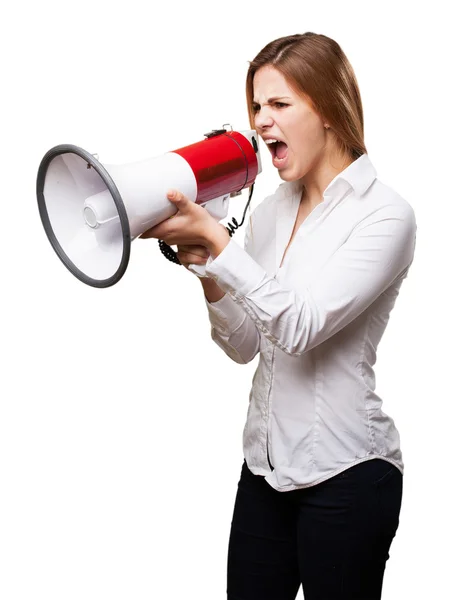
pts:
[332, 474]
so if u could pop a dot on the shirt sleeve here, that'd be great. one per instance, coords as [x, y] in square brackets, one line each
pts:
[378, 251]
[232, 329]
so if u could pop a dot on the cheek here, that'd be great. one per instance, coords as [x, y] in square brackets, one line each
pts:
[311, 145]
[315, 131]
[305, 150]
[306, 133]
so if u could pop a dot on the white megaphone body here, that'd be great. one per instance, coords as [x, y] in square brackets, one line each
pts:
[91, 212]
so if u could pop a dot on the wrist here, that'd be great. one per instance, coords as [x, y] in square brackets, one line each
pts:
[216, 239]
[211, 290]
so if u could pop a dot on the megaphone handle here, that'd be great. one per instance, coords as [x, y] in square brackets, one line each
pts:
[200, 270]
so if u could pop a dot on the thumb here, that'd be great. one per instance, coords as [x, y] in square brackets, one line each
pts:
[178, 199]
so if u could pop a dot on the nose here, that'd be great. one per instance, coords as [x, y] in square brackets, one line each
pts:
[263, 119]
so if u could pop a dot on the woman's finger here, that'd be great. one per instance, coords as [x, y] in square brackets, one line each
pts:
[198, 250]
[190, 258]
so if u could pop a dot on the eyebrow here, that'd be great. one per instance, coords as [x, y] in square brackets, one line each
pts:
[270, 100]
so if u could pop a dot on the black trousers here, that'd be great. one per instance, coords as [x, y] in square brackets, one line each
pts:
[332, 538]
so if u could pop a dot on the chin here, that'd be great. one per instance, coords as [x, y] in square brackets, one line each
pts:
[289, 175]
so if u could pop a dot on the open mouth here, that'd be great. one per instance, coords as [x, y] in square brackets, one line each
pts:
[279, 150]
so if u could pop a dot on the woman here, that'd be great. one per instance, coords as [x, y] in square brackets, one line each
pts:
[320, 491]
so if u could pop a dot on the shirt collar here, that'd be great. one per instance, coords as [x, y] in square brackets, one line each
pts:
[360, 174]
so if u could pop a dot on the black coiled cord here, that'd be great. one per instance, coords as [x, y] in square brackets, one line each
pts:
[170, 254]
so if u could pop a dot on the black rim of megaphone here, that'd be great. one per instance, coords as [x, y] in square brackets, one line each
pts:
[42, 172]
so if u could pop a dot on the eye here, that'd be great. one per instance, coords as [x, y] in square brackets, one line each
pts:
[256, 107]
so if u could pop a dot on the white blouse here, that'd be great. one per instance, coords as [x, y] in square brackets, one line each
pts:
[316, 323]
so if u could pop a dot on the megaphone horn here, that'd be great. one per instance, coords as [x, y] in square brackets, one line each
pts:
[91, 212]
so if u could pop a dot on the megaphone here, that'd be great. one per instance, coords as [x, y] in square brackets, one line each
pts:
[91, 212]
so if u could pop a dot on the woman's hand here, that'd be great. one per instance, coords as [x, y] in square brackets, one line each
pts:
[192, 225]
[192, 255]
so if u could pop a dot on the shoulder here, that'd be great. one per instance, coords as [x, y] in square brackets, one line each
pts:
[386, 222]
[383, 202]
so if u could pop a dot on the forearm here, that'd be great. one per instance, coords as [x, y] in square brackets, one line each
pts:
[299, 317]
[232, 329]
[211, 290]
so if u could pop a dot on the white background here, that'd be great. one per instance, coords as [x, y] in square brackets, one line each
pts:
[121, 420]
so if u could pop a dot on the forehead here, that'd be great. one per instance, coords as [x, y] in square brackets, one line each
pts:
[269, 82]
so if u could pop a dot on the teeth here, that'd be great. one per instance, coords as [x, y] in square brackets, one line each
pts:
[271, 141]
